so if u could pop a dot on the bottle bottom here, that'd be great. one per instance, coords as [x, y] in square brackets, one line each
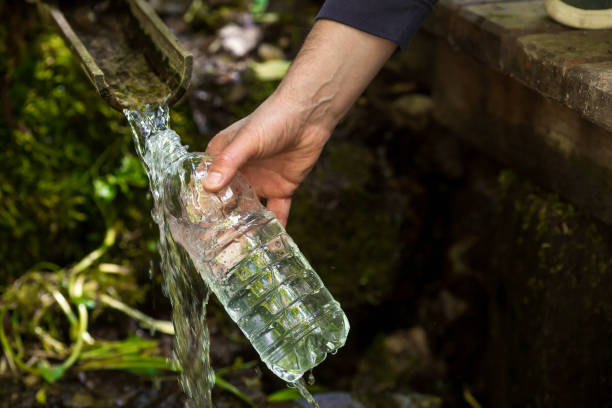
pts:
[270, 290]
[295, 356]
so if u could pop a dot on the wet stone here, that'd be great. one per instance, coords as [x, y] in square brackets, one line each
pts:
[519, 39]
[334, 400]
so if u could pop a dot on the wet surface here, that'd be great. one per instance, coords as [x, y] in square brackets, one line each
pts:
[114, 40]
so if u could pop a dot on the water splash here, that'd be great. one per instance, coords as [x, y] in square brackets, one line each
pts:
[159, 148]
[311, 378]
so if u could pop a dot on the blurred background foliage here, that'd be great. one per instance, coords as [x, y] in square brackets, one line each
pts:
[69, 174]
[68, 169]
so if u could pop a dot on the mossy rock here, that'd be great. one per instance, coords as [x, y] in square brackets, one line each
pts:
[549, 270]
[348, 222]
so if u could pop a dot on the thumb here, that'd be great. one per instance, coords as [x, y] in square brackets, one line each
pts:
[229, 160]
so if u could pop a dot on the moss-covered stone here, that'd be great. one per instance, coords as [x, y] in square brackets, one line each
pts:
[348, 223]
[550, 277]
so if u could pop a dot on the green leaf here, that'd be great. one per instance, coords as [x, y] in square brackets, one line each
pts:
[41, 396]
[221, 383]
[271, 70]
[50, 374]
[131, 172]
[259, 6]
[152, 245]
[82, 300]
[148, 371]
[284, 395]
[104, 190]
[291, 394]
[267, 18]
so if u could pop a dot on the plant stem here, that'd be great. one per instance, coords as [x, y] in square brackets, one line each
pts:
[163, 326]
[8, 351]
[74, 355]
[109, 240]
[232, 389]
[46, 338]
[159, 363]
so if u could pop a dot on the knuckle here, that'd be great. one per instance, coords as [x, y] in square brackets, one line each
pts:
[225, 159]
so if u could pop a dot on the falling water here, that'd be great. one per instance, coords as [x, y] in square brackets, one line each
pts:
[187, 292]
[300, 386]
[160, 151]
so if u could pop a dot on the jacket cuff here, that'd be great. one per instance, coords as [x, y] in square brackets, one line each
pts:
[395, 20]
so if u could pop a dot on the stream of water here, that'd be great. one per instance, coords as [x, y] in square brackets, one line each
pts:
[182, 283]
[160, 151]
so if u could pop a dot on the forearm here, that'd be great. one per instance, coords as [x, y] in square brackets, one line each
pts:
[332, 69]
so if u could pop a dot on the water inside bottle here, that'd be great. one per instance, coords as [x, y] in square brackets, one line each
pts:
[267, 287]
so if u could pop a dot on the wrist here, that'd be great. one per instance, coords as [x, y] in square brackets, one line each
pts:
[310, 100]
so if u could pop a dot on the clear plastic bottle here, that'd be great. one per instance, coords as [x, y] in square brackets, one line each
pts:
[248, 260]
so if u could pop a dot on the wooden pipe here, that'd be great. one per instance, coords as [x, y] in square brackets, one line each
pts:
[128, 53]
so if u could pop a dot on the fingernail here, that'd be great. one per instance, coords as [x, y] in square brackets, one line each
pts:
[213, 179]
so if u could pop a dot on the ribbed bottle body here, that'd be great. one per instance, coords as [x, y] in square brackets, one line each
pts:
[262, 279]
[279, 302]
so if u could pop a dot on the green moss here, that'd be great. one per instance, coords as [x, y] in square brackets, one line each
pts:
[554, 275]
[348, 225]
[67, 165]
[560, 233]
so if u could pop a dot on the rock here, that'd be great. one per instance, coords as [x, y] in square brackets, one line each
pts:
[401, 400]
[80, 400]
[394, 360]
[445, 308]
[270, 52]
[239, 40]
[416, 400]
[412, 111]
[350, 226]
[236, 93]
[334, 400]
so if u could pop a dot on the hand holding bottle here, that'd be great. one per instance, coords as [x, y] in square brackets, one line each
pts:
[273, 147]
[278, 144]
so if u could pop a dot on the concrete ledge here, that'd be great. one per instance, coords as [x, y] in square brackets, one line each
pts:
[518, 39]
[536, 97]
[543, 139]
[532, 94]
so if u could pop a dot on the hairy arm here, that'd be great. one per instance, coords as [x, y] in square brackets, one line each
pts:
[332, 69]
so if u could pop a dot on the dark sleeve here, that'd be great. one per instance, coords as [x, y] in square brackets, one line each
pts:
[395, 20]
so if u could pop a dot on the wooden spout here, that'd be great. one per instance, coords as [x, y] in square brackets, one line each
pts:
[128, 53]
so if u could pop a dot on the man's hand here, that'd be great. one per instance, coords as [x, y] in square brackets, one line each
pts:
[277, 145]
[274, 147]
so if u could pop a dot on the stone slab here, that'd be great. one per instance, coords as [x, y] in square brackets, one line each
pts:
[498, 11]
[518, 39]
[437, 23]
[484, 30]
[544, 140]
[573, 68]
